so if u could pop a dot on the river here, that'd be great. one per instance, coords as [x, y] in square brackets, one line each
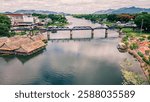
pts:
[82, 62]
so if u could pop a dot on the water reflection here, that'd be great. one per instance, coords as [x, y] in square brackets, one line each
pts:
[86, 64]
[8, 58]
[49, 76]
[67, 40]
[22, 59]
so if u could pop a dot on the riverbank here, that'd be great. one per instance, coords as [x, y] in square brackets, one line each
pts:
[139, 47]
[143, 65]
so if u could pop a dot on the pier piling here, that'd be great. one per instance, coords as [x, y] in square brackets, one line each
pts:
[92, 34]
[71, 34]
[106, 33]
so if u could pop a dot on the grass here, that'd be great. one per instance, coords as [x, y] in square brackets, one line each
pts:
[130, 32]
[127, 30]
[58, 24]
[108, 23]
[27, 32]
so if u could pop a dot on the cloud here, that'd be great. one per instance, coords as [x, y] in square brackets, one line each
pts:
[70, 6]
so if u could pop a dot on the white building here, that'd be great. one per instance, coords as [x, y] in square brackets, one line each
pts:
[28, 18]
[45, 21]
[21, 19]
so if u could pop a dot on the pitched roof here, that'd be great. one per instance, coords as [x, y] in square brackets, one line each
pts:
[15, 38]
[5, 47]
[3, 40]
[27, 48]
[22, 43]
[39, 37]
[14, 43]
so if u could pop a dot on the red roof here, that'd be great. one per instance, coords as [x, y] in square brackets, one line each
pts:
[14, 14]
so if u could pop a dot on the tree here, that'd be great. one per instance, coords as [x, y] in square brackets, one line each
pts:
[144, 21]
[112, 17]
[57, 18]
[5, 25]
[98, 18]
[125, 17]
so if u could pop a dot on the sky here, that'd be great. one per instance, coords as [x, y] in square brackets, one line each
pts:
[70, 6]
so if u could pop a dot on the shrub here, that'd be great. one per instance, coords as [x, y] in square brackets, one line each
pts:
[148, 37]
[146, 60]
[131, 35]
[125, 38]
[126, 43]
[147, 52]
[143, 36]
[140, 54]
[141, 39]
[23, 33]
[127, 30]
[11, 34]
[134, 46]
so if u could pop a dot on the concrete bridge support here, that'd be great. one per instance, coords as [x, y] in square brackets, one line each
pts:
[71, 34]
[106, 33]
[92, 34]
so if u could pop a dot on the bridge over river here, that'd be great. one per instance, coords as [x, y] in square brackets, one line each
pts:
[92, 29]
[75, 28]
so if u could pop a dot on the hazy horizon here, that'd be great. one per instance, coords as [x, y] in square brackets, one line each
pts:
[70, 6]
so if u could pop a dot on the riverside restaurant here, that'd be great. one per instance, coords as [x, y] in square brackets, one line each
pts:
[22, 45]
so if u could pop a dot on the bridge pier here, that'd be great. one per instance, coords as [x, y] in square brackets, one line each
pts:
[106, 33]
[71, 34]
[48, 35]
[92, 33]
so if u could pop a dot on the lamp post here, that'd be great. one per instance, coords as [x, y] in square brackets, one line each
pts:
[142, 25]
